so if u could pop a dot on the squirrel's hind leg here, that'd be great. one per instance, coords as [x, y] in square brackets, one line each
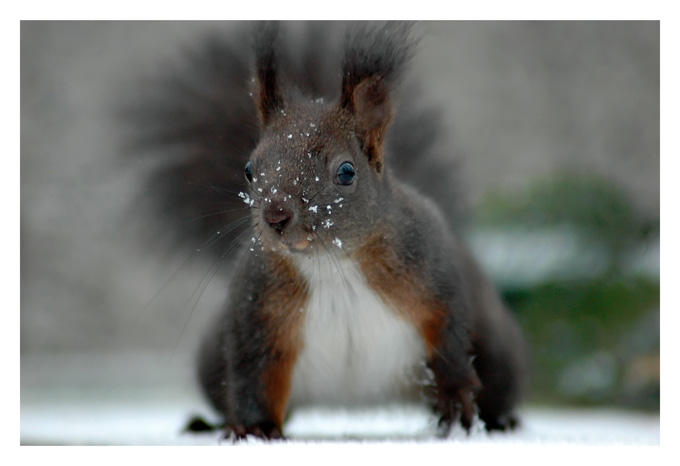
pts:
[501, 361]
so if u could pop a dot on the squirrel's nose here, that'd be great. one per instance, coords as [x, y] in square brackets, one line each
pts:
[277, 216]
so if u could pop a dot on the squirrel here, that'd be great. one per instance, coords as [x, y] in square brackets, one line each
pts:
[351, 286]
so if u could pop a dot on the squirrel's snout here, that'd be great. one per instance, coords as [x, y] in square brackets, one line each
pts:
[278, 216]
[285, 231]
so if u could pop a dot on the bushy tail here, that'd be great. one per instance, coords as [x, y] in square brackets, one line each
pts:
[199, 123]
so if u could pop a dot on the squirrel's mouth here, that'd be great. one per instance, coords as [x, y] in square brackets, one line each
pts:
[297, 245]
[294, 246]
[290, 239]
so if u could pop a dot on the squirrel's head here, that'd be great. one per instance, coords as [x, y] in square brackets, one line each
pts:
[316, 176]
[311, 182]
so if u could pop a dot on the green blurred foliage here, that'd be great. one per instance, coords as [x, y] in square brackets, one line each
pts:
[582, 327]
[596, 207]
[595, 340]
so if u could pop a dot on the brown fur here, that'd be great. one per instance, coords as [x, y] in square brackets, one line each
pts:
[374, 114]
[402, 289]
[284, 301]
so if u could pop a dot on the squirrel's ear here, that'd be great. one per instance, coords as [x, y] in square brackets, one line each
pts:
[269, 98]
[369, 102]
[374, 61]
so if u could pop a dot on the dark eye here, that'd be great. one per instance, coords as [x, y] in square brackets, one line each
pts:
[345, 175]
[249, 172]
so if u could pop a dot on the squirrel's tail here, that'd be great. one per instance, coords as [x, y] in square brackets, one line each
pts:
[199, 123]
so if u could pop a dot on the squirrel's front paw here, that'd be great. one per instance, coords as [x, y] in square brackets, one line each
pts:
[461, 407]
[458, 404]
[263, 430]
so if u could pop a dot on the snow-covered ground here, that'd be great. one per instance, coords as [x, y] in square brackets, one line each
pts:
[138, 400]
[145, 423]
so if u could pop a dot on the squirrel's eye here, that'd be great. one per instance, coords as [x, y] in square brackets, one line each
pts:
[249, 172]
[346, 174]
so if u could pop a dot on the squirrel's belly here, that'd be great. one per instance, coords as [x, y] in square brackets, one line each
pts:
[355, 349]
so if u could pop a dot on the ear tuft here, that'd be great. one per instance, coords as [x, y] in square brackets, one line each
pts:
[375, 59]
[269, 98]
[373, 114]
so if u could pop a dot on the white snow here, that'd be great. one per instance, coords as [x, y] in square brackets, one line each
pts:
[139, 399]
[145, 422]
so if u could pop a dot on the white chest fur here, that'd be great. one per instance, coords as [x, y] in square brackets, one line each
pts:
[356, 349]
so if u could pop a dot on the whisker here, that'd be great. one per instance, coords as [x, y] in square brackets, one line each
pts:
[205, 281]
[211, 187]
[348, 255]
[251, 248]
[229, 229]
[237, 242]
[195, 252]
[188, 219]
[334, 259]
[318, 192]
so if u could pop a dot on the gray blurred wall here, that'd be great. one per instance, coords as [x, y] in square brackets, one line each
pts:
[522, 99]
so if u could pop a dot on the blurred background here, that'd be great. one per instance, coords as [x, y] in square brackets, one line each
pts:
[558, 126]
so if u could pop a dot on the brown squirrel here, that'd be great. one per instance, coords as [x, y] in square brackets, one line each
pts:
[352, 289]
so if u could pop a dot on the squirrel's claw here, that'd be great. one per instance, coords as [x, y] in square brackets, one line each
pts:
[458, 405]
[264, 431]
